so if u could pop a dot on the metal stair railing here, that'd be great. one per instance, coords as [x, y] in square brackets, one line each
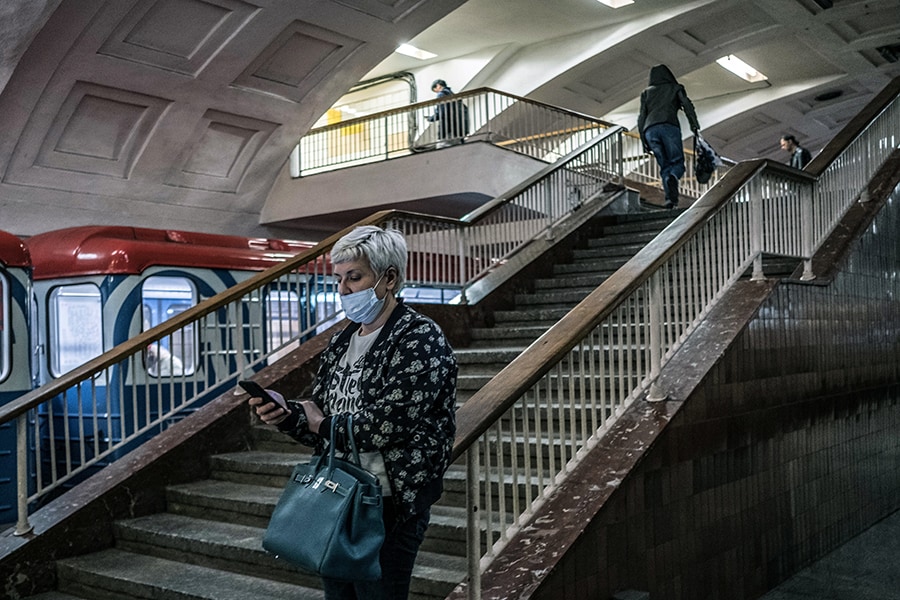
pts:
[532, 128]
[660, 295]
[501, 227]
[119, 405]
[538, 130]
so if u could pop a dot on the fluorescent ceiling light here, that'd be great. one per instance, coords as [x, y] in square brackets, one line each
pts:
[741, 69]
[616, 3]
[414, 52]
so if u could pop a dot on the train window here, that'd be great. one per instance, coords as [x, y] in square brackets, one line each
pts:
[76, 326]
[5, 337]
[162, 299]
[428, 295]
[283, 317]
[328, 310]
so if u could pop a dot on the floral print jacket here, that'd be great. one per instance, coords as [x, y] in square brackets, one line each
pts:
[408, 389]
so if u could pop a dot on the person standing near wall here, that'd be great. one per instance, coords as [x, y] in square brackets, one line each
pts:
[800, 156]
[660, 129]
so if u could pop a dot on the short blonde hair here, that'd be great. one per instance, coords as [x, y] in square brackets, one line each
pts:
[382, 248]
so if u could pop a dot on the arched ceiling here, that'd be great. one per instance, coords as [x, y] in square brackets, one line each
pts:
[181, 113]
[174, 113]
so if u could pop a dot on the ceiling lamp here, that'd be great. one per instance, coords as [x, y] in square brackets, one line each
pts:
[616, 3]
[408, 50]
[741, 69]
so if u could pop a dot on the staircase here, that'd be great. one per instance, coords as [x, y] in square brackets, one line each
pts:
[554, 295]
[207, 544]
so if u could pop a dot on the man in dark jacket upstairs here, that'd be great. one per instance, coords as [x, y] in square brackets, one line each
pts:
[800, 156]
[660, 129]
[451, 116]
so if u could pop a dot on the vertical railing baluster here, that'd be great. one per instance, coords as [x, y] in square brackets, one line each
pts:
[756, 228]
[473, 523]
[806, 234]
[654, 311]
[23, 526]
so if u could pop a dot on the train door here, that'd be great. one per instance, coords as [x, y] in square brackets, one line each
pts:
[169, 363]
[15, 371]
[73, 335]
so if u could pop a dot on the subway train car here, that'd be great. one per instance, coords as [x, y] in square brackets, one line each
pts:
[95, 287]
[15, 352]
[98, 286]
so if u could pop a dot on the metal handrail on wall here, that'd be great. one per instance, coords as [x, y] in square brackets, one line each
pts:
[528, 427]
[118, 405]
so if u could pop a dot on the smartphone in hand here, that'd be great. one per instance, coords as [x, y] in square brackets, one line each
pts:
[257, 391]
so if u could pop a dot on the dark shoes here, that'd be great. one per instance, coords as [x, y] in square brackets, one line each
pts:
[671, 188]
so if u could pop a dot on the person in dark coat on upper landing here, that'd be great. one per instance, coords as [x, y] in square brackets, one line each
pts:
[452, 116]
[660, 129]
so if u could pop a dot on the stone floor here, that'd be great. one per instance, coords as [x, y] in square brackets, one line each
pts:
[865, 568]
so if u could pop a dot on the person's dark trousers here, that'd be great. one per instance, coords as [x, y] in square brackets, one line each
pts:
[398, 554]
[670, 185]
[665, 142]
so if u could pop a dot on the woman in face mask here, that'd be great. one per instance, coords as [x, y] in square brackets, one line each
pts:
[394, 371]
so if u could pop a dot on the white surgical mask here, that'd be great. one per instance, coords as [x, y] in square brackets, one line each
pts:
[363, 306]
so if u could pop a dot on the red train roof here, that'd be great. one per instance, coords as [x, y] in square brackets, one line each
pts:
[13, 252]
[93, 250]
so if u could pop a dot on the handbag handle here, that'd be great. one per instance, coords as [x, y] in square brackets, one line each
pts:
[350, 440]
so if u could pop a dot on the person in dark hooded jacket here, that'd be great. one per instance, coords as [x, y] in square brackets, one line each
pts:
[660, 129]
[452, 116]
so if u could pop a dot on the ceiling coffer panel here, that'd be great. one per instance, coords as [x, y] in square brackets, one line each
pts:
[865, 23]
[723, 26]
[297, 60]
[225, 146]
[389, 11]
[604, 77]
[97, 131]
[177, 35]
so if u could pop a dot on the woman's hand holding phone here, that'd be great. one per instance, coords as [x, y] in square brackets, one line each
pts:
[269, 404]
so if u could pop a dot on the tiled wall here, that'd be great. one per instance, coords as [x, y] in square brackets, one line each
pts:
[789, 447]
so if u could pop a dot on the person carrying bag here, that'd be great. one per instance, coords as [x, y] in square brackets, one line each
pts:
[393, 370]
[706, 160]
[328, 520]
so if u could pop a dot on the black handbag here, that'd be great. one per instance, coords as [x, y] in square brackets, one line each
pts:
[329, 520]
[706, 160]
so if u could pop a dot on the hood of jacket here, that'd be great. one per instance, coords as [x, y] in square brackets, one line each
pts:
[660, 74]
